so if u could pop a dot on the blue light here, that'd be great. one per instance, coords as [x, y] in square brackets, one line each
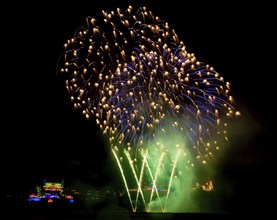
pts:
[51, 196]
[34, 199]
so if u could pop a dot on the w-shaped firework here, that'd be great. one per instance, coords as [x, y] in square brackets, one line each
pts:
[164, 112]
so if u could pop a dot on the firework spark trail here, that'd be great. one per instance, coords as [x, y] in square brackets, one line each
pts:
[132, 74]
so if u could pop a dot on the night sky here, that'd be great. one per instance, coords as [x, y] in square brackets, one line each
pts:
[42, 137]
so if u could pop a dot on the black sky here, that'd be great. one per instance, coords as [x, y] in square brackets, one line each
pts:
[42, 135]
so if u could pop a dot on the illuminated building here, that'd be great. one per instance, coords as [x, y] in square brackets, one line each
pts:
[50, 192]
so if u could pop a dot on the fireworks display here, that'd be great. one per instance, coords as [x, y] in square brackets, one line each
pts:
[131, 73]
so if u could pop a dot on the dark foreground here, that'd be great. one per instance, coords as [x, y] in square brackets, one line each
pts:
[19, 210]
[109, 213]
[113, 215]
